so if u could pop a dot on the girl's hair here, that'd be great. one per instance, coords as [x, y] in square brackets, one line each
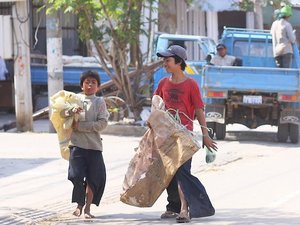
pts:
[90, 73]
[181, 61]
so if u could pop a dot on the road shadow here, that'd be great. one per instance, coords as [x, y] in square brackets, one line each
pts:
[253, 216]
[258, 136]
[25, 216]
[11, 166]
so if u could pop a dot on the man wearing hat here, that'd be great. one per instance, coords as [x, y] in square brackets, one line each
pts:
[182, 94]
[282, 38]
[221, 58]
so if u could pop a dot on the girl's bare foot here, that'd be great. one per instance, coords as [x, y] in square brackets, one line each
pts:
[89, 199]
[87, 214]
[78, 211]
[183, 217]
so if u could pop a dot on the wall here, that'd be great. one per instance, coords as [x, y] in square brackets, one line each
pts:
[177, 17]
[71, 42]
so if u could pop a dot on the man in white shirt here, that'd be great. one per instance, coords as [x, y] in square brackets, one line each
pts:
[3, 69]
[221, 58]
[282, 38]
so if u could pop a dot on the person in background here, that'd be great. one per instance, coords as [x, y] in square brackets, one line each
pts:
[221, 58]
[283, 38]
[86, 165]
[187, 196]
[3, 69]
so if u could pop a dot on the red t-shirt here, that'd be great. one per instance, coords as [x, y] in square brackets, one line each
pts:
[184, 97]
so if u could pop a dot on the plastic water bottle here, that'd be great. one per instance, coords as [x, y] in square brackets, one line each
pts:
[210, 155]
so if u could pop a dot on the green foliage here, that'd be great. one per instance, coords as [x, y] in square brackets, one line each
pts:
[114, 26]
[245, 5]
[248, 5]
[277, 4]
[124, 14]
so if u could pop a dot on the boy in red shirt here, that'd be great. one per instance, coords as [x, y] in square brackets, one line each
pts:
[186, 195]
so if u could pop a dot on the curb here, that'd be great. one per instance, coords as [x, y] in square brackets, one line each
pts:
[124, 130]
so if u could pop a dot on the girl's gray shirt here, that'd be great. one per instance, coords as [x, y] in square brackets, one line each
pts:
[93, 119]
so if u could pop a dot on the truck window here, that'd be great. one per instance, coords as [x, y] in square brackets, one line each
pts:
[193, 49]
[240, 49]
[257, 49]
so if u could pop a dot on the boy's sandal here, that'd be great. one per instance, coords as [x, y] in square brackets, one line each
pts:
[168, 214]
[183, 219]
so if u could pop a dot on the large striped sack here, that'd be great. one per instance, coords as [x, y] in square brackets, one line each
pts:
[163, 149]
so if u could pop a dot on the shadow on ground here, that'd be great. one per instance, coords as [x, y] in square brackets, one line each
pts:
[237, 216]
[259, 136]
[11, 166]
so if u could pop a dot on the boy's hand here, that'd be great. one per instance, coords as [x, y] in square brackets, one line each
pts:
[77, 110]
[209, 143]
[148, 125]
[73, 111]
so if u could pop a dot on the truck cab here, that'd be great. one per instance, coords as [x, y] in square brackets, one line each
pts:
[256, 92]
[253, 47]
[198, 48]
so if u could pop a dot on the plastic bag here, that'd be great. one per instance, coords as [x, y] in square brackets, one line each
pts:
[60, 101]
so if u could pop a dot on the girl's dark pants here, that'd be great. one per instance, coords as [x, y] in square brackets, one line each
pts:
[86, 167]
[194, 192]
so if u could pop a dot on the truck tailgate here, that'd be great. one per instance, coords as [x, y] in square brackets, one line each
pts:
[251, 79]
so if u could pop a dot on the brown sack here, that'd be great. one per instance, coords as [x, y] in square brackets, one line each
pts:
[162, 150]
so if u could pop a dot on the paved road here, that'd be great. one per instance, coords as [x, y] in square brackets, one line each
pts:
[254, 180]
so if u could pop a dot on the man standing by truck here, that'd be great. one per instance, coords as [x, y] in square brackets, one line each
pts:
[282, 38]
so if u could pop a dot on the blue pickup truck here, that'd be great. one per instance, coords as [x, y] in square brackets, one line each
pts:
[255, 93]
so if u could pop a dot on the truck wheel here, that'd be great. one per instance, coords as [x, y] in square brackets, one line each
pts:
[220, 131]
[283, 132]
[212, 130]
[294, 133]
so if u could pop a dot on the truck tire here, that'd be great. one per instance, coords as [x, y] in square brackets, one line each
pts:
[220, 131]
[212, 130]
[283, 132]
[294, 133]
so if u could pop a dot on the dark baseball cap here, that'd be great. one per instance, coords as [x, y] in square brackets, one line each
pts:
[220, 46]
[172, 51]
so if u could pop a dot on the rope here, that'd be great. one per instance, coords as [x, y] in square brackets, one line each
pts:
[176, 117]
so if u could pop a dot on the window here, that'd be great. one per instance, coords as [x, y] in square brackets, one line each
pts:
[255, 48]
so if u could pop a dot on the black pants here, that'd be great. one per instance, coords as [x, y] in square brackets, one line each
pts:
[195, 194]
[86, 167]
[174, 203]
[284, 61]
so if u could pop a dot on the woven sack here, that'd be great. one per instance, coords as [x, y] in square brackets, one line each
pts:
[162, 150]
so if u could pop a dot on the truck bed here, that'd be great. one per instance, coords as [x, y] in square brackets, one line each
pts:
[251, 79]
[71, 74]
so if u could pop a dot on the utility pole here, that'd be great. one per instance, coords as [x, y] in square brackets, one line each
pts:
[212, 25]
[22, 74]
[250, 18]
[54, 56]
[259, 23]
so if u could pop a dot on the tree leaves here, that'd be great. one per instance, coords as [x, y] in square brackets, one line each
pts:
[114, 26]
